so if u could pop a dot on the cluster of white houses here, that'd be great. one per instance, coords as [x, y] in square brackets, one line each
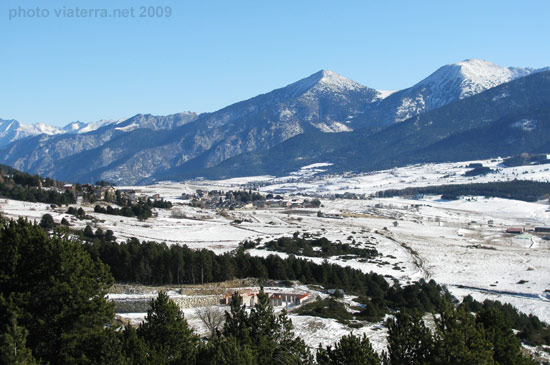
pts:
[277, 297]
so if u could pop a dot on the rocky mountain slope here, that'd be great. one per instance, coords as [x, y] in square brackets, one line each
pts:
[505, 120]
[449, 83]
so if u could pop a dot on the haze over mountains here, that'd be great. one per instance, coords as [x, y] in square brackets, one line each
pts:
[470, 109]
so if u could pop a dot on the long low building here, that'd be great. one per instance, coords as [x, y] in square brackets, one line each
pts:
[277, 298]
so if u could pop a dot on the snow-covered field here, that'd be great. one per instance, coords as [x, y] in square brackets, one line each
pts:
[309, 180]
[461, 244]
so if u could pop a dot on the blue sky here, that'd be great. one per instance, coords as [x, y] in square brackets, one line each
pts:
[209, 54]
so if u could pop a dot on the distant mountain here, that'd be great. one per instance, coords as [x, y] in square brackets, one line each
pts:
[322, 118]
[324, 101]
[155, 122]
[80, 127]
[449, 83]
[49, 153]
[505, 120]
[12, 130]
[74, 127]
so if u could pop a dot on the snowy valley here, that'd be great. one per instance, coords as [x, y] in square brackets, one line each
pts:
[462, 244]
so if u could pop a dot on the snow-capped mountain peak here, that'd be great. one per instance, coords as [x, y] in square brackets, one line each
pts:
[44, 128]
[11, 130]
[79, 127]
[335, 82]
[471, 76]
[74, 126]
[323, 81]
[450, 83]
[95, 125]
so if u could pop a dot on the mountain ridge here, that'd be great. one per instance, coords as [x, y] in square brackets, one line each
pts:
[514, 111]
[324, 104]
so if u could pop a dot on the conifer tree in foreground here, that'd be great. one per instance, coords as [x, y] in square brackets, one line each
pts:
[258, 337]
[349, 350]
[13, 341]
[166, 333]
[409, 340]
[56, 293]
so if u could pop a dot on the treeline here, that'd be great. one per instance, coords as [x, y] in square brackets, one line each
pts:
[36, 195]
[327, 308]
[479, 171]
[142, 209]
[155, 263]
[19, 185]
[317, 247]
[124, 201]
[149, 262]
[241, 196]
[529, 191]
[530, 329]
[526, 159]
[139, 210]
[25, 179]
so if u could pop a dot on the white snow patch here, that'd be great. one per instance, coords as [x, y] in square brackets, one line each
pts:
[333, 127]
[129, 127]
[527, 125]
[382, 94]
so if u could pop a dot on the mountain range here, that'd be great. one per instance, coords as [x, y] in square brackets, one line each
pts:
[470, 109]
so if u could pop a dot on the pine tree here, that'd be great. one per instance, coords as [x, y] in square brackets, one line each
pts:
[269, 337]
[507, 348]
[167, 334]
[47, 222]
[349, 350]
[409, 340]
[96, 347]
[226, 350]
[134, 347]
[58, 291]
[13, 341]
[459, 339]
[263, 322]
[88, 232]
[237, 322]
